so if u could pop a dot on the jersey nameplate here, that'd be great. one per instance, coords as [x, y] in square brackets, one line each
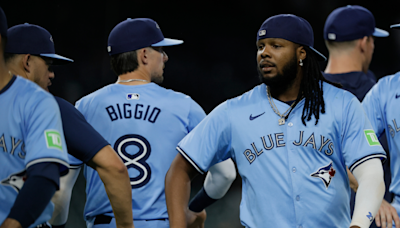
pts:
[137, 111]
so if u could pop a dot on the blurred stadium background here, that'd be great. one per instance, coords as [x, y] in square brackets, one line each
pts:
[216, 62]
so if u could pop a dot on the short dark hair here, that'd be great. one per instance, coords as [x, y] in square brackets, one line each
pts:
[124, 63]
[8, 56]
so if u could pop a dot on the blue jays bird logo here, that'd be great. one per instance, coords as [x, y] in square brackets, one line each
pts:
[325, 173]
[15, 180]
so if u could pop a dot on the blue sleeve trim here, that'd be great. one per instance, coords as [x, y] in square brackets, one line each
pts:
[33, 198]
[190, 160]
[75, 166]
[47, 170]
[200, 201]
[366, 158]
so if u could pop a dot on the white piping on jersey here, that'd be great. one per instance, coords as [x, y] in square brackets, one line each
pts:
[56, 160]
[189, 160]
[352, 167]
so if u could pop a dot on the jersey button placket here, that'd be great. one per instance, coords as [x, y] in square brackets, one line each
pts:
[291, 135]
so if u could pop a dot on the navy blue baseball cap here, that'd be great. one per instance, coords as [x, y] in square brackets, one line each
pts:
[32, 39]
[350, 23]
[289, 27]
[3, 23]
[133, 34]
[395, 26]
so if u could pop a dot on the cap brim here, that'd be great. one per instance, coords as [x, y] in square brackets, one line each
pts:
[320, 56]
[167, 42]
[380, 33]
[395, 26]
[58, 59]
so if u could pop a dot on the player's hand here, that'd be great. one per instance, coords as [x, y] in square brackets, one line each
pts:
[194, 219]
[386, 214]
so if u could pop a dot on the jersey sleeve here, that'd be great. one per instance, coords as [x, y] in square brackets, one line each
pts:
[209, 142]
[82, 139]
[196, 115]
[43, 133]
[359, 141]
[74, 163]
[372, 105]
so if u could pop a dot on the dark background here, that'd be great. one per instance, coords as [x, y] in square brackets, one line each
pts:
[216, 61]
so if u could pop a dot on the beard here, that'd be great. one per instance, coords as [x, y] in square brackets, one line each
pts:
[281, 81]
[157, 78]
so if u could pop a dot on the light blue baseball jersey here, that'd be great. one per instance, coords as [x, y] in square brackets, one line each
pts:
[30, 133]
[382, 105]
[292, 175]
[143, 123]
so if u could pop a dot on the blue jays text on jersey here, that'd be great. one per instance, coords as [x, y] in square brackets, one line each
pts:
[143, 123]
[270, 142]
[292, 175]
[31, 133]
[382, 107]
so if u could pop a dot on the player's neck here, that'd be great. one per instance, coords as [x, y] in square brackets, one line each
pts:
[15, 70]
[5, 76]
[134, 78]
[289, 92]
[343, 64]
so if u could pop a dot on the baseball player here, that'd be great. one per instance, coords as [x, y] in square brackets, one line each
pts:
[350, 52]
[32, 148]
[381, 106]
[143, 122]
[30, 52]
[290, 144]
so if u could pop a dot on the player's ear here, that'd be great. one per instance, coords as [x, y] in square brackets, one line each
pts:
[301, 53]
[363, 43]
[26, 62]
[143, 56]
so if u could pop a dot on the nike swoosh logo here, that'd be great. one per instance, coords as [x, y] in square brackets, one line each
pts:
[253, 117]
[397, 96]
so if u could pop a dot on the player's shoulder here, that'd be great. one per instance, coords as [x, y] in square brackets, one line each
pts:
[248, 98]
[98, 92]
[389, 82]
[62, 102]
[96, 95]
[333, 93]
[29, 92]
[170, 93]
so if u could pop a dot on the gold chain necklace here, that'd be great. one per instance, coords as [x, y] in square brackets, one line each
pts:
[281, 121]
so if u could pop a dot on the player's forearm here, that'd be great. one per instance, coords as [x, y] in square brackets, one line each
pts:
[119, 191]
[370, 192]
[177, 191]
[353, 181]
[116, 181]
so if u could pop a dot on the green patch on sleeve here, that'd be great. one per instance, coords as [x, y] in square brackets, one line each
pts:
[53, 139]
[371, 138]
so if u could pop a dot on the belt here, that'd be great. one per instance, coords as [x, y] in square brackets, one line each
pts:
[104, 219]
